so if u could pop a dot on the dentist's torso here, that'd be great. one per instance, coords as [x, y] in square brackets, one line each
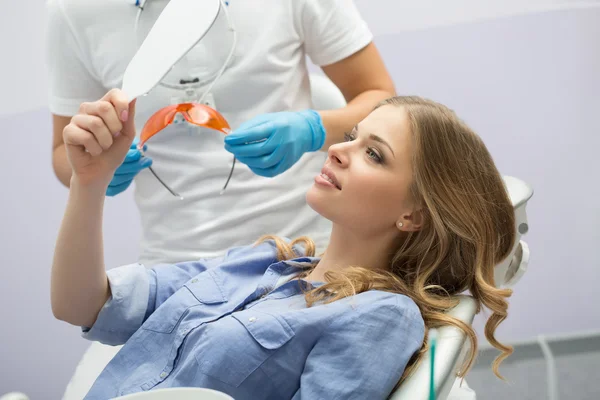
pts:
[267, 73]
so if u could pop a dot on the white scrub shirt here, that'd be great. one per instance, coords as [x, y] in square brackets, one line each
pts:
[89, 47]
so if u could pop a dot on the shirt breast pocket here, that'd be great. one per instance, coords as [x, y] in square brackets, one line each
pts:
[241, 345]
[200, 290]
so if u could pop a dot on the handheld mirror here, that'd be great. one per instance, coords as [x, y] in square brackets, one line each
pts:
[179, 27]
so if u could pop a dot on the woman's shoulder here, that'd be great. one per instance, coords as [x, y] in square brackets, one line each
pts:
[375, 304]
[373, 311]
[392, 299]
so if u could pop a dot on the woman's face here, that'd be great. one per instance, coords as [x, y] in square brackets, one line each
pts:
[364, 184]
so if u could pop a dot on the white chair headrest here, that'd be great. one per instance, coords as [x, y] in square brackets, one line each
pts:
[508, 272]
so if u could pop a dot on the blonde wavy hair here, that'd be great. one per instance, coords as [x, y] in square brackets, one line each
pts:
[469, 227]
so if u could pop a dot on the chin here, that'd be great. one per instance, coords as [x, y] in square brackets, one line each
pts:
[319, 201]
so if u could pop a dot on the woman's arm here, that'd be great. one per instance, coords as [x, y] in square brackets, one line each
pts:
[96, 141]
[79, 286]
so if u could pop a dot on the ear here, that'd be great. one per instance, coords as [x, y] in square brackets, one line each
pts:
[410, 222]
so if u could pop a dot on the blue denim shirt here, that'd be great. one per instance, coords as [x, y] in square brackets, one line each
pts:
[207, 324]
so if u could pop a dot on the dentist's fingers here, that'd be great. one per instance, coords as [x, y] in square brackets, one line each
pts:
[249, 149]
[264, 162]
[258, 133]
[134, 167]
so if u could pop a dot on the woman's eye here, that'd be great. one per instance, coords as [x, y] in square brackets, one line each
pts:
[372, 154]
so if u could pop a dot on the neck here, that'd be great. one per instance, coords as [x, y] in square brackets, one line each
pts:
[347, 249]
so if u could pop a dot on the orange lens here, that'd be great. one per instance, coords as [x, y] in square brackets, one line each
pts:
[194, 113]
[157, 123]
[202, 115]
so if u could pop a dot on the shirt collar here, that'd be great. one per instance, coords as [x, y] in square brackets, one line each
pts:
[298, 264]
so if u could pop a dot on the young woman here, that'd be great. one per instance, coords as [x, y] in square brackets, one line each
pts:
[420, 214]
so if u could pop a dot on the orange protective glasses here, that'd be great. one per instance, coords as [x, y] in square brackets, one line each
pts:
[194, 113]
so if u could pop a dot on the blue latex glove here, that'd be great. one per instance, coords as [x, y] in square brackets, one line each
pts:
[271, 143]
[132, 165]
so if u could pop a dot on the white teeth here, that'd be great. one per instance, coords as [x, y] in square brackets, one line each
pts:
[328, 179]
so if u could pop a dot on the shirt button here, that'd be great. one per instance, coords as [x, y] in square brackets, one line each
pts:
[185, 331]
[162, 375]
[252, 319]
[194, 280]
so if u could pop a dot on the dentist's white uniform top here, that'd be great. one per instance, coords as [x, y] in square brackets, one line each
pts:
[89, 45]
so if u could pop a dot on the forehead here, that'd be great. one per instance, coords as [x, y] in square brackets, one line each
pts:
[391, 123]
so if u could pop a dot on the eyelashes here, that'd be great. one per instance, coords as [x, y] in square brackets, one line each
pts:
[372, 152]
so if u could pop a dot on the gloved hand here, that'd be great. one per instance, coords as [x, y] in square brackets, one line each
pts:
[131, 166]
[271, 143]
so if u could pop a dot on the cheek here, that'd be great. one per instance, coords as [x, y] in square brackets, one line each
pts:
[377, 198]
[369, 201]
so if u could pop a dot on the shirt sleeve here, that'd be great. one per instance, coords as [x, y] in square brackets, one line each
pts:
[362, 354]
[71, 79]
[332, 30]
[125, 310]
[136, 292]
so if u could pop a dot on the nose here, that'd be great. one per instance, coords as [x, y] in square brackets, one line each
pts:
[338, 155]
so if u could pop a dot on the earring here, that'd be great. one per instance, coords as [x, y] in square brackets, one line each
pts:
[400, 224]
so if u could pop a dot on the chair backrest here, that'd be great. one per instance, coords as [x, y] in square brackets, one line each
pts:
[451, 342]
[448, 357]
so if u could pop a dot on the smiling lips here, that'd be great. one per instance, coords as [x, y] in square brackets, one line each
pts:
[328, 176]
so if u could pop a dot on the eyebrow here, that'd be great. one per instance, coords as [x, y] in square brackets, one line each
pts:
[378, 139]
